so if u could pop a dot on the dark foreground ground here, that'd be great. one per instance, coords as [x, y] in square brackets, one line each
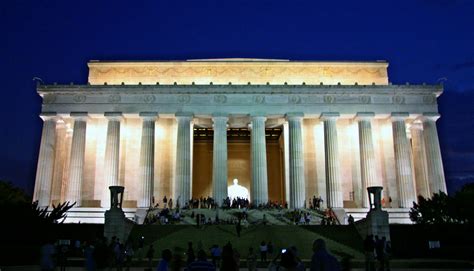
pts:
[398, 265]
[20, 245]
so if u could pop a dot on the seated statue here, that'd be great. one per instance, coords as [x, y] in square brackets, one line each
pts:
[237, 191]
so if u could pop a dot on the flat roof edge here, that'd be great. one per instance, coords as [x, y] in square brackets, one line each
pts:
[382, 63]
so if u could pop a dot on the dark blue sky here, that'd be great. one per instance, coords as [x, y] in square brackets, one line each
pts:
[423, 40]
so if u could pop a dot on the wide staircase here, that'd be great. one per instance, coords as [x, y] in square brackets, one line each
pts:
[253, 217]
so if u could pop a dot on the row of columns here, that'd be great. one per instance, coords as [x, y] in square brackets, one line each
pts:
[426, 156]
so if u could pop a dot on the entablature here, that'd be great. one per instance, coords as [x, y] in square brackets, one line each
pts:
[242, 89]
[232, 99]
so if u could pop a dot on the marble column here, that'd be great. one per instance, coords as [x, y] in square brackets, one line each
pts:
[259, 161]
[433, 153]
[333, 175]
[147, 160]
[219, 159]
[419, 160]
[286, 157]
[112, 155]
[182, 188]
[44, 171]
[403, 168]
[367, 155]
[297, 182]
[76, 160]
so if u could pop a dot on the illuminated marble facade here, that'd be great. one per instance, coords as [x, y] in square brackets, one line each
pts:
[344, 126]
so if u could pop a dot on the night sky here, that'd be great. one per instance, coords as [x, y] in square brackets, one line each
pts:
[428, 41]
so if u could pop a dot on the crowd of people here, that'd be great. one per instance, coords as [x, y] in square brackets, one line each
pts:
[377, 252]
[230, 203]
[299, 217]
[201, 203]
[163, 217]
[228, 258]
[315, 202]
[114, 254]
[99, 254]
[168, 215]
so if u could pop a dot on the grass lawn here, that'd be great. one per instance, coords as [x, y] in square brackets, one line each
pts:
[171, 236]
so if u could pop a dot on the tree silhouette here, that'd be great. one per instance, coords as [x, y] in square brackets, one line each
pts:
[442, 209]
[57, 215]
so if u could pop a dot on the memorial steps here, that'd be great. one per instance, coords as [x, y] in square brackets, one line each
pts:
[96, 215]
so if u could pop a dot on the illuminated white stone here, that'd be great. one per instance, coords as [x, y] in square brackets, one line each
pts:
[333, 175]
[259, 161]
[297, 182]
[76, 166]
[147, 160]
[403, 167]
[219, 160]
[419, 160]
[183, 188]
[112, 155]
[433, 153]
[44, 172]
[367, 156]
[151, 162]
[237, 191]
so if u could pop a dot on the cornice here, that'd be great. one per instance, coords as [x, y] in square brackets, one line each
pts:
[240, 89]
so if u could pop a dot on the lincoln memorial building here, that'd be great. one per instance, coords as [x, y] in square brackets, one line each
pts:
[286, 130]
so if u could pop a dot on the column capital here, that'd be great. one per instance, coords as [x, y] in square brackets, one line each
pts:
[330, 115]
[220, 121]
[79, 116]
[294, 115]
[430, 116]
[258, 117]
[364, 116]
[118, 116]
[220, 115]
[45, 116]
[148, 115]
[398, 116]
[184, 115]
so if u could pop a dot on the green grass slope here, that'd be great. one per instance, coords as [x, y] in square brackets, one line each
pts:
[171, 236]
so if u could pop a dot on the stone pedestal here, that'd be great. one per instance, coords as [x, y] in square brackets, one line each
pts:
[376, 221]
[116, 224]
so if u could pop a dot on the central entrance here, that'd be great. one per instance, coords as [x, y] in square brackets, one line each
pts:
[238, 161]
